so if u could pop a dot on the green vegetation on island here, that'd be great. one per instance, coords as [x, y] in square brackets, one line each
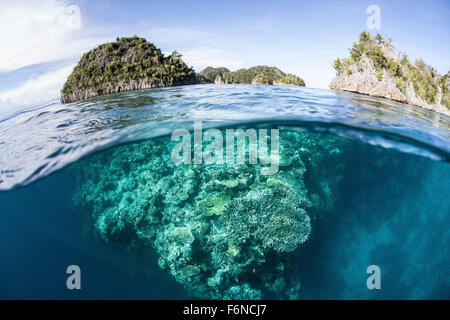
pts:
[210, 74]
[254, 75]
[375, 57]
[127, 64]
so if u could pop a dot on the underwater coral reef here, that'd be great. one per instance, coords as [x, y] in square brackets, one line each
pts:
[223, 231]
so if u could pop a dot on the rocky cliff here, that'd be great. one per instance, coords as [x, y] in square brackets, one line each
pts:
[124, 65]
[375, 68]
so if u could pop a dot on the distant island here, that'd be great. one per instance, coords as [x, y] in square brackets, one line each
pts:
[374, 68]
[133, 63]
[254, 75]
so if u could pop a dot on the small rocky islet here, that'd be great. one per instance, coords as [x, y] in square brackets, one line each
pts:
[124, 65]
[374, 68]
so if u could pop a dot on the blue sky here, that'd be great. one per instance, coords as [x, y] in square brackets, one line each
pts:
[301, 37]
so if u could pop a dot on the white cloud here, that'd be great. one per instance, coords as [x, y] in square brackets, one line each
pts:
[34, 92]
[197, 47]
[202, 58]
[38, 31]
[175, 36]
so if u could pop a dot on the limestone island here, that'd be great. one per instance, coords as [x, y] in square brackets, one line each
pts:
[254, 75]
[133, 63]
[127, 64]
[376, 69]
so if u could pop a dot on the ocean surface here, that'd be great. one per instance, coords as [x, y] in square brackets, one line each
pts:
[362, 181]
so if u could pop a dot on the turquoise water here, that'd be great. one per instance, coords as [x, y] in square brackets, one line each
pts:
[362, 181]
